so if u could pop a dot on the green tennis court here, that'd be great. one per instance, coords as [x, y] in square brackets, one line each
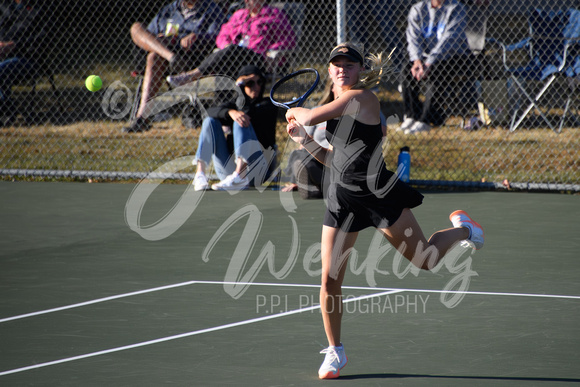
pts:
[122, 285]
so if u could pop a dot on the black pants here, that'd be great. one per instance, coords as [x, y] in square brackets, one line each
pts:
[438, 88]
[191, 58]
[229, 61]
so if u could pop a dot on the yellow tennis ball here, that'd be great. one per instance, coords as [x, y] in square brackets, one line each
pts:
[94, 83]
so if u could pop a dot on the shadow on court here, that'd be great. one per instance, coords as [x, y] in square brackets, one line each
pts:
[466, 378]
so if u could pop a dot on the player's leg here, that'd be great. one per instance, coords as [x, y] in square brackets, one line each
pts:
[407, 237]
[335, 250]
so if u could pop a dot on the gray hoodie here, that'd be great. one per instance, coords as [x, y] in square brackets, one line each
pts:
[436, 34]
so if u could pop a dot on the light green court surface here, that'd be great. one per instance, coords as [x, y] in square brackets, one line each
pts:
[86, 301]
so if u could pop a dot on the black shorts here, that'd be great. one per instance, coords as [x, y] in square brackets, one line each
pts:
[354, 211]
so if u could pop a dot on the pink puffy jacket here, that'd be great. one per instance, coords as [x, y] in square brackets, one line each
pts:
[269, 30]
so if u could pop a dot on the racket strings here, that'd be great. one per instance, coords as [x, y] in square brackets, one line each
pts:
[295, 87]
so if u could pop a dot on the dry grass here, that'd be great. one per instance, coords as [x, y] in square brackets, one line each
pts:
[91, 141]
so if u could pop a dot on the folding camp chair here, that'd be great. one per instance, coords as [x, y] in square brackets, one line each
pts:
[553, 46]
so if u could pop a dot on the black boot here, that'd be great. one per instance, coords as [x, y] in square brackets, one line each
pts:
[140, 125]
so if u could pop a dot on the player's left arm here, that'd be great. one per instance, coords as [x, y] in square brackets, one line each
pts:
[298, 133]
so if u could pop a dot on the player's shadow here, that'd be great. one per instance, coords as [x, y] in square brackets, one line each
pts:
[404, 376]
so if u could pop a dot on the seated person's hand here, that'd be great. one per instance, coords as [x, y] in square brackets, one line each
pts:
[290, 187]
[188, 41]
[240, 117]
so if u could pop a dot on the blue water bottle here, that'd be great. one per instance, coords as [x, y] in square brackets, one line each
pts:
[404, 164]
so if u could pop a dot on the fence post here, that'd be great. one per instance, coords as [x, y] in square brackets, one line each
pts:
[340, 21]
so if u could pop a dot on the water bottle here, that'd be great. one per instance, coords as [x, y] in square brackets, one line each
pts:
[404, 164]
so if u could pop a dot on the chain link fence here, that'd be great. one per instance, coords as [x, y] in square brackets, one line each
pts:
[494, 130]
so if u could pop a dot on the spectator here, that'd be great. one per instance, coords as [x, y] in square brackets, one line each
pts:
[438, 51]
[253, 131]
[23, 25]
[182, 32]
[245, 38]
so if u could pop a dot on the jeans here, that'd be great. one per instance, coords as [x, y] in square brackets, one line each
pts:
[213, 145]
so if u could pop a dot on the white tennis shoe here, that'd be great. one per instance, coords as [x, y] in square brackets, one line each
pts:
[407, 124]
[233, 182]
[461, 219]
[334, 361]
[418, 127]
[200, 182]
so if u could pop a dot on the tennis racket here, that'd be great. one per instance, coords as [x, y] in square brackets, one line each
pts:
[293, 90]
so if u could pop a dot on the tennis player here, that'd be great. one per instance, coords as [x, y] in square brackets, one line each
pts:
[361, 191]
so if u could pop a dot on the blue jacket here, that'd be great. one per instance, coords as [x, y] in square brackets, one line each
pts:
[206, 24]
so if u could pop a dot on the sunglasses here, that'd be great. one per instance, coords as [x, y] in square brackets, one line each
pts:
[251, 83]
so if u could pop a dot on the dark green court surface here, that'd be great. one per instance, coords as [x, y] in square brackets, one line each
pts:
[125, 285]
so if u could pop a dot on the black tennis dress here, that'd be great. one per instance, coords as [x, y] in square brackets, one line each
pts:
[361, 191]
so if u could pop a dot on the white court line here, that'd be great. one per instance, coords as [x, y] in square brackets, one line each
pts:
[110, 298]
[150, 290]
[187, 334]
[399, 289]
[96, 301]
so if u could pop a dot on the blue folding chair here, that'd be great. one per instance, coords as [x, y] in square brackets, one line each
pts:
[553, 47]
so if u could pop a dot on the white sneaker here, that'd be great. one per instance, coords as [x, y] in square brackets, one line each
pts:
[232, 182]
[461, 219]
[200, 182]
[407, 124]
[334, 361]
[418, 127]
